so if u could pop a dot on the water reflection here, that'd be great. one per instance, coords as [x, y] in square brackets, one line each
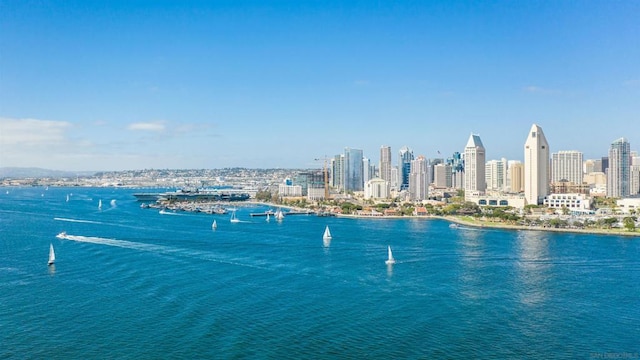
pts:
[533, 267]
[389, 270]
[472, 252]
[52, 269]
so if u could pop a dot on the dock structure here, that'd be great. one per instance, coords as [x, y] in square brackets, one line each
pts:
[195, 195]
[271, 213]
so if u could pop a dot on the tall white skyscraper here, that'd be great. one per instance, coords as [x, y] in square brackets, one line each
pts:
[619, 172]
[536, 166]
[566, 166]
[385, 162]
[496, 174]
[419, 179]
[474, 159]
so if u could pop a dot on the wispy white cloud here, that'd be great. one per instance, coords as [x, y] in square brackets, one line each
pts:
[32, 132]
[156, 126]
[361, 82]
[632, 82]
[540, 90]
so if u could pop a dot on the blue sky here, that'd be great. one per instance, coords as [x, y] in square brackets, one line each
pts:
[114, 85]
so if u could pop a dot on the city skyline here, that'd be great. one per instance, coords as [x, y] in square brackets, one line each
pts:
[129, 85]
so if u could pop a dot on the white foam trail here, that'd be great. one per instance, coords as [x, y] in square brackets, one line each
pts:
[78, 221]
[167, 213]
[121, 243]
[158, 249]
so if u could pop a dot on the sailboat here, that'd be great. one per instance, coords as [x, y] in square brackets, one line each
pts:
[279, 215]
[100, 204]
[390, 260]
[327, 234]
[214, 225]
[268, 218]
[234, 219]
[52, 255]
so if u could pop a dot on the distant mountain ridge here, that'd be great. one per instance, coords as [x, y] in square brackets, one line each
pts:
[32, 172]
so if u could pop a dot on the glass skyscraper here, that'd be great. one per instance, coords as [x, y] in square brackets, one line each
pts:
[619, 172]
[404, 166]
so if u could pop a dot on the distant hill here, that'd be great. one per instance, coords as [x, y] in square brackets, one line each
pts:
[21, 173]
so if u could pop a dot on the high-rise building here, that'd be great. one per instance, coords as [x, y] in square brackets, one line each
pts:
[588, 166]
[635, 175]
[457, 170]
[385, 163]
[353, 170]
[395, 178]
[516, 173]
[597, 166]
[474, 159]
[404, 166]
[337, 172]
[419, 179]
[367, 171]
[442, 176]
[536, 166]
[605, 163]
[496, 174]
[566, 166]
[618, 174]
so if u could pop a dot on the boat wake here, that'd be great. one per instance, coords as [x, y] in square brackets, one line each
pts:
[161, 249]
[78, 221]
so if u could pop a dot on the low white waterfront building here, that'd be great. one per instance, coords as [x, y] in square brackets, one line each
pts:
[629, 205]
[376, 189]
[574, 202]
[290, 190]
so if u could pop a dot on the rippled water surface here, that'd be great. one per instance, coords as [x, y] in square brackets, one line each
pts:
[132, 283]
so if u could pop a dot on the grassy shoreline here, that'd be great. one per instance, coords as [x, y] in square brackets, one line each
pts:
[477, 223]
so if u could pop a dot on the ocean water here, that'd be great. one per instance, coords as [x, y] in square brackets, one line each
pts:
[132, 283]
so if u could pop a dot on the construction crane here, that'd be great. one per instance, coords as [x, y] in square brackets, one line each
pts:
[326, 177]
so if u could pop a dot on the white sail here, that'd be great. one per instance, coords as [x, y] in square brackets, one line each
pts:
[390, 259]
[234, 219]
[100, 204]
[52, 255]
[268, 217]
[327, 234]
[279, 215]
[214, 225]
